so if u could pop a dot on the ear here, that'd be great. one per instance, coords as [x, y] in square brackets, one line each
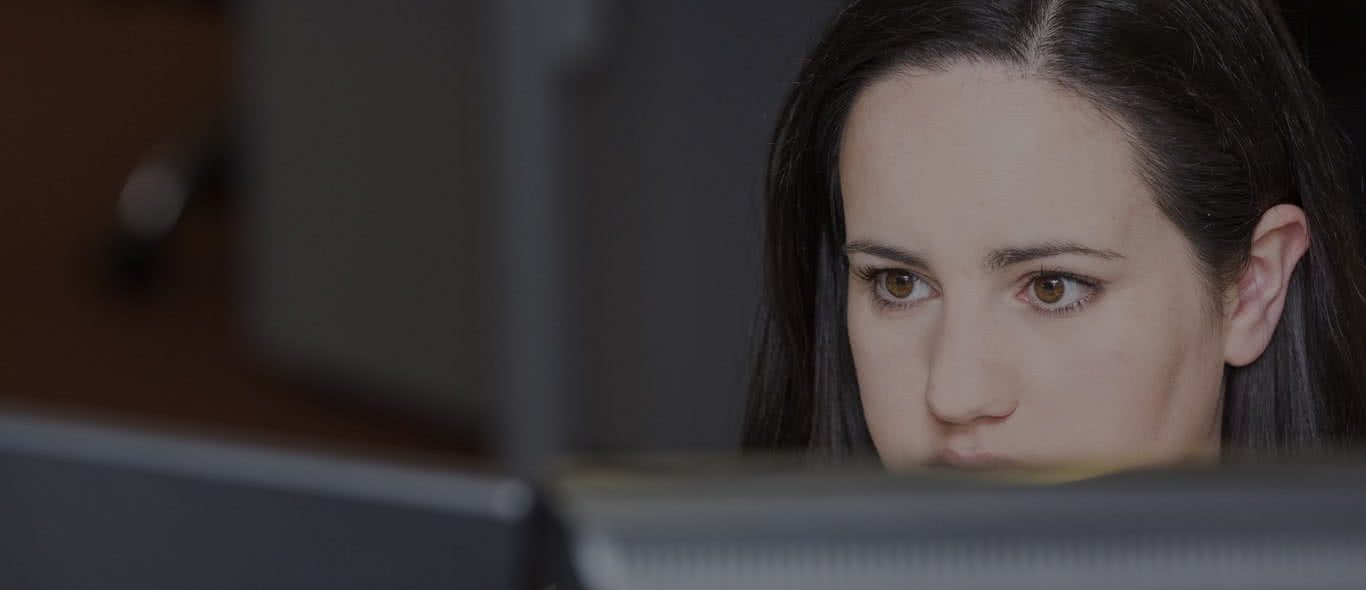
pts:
[1278, 243]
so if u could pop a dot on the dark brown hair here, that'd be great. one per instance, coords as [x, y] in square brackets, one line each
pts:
[1226, 122]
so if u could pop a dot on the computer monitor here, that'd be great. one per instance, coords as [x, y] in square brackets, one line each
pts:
[1252, 528]
[84, 505]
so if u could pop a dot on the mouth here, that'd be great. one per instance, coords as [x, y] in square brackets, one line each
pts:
[973, 460]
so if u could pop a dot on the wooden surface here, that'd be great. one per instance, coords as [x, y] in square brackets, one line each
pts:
[87, 89]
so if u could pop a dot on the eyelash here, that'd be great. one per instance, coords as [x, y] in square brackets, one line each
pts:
[1093, 287]
[870, 274]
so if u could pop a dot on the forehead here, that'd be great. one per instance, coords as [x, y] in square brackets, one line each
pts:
[979, 155]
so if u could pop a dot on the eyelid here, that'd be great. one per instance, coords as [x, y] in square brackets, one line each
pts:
[868, 272]
[1094, 288]
[1084, 280]
[869, 275]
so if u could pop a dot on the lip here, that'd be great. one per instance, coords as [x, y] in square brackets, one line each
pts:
[970, 460]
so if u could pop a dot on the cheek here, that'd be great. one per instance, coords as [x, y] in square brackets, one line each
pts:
[1141, 380]
[889, 360]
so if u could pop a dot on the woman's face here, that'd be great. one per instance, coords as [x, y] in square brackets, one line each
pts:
[1015, 295]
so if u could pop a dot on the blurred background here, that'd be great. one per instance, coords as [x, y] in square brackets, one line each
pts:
[485, 232]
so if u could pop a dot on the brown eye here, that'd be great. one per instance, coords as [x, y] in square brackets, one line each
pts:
[897, 288]
[1050, 290]
[898, 284]
[1058, 293]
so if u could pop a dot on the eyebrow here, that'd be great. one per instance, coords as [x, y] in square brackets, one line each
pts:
[996, 260]
[880, 250]
[1004, 257]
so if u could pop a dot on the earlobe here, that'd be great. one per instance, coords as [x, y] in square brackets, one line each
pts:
[1278, 243]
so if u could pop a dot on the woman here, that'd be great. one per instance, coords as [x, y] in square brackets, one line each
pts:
[1046, 232]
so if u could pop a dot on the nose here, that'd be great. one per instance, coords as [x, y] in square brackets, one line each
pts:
[968, 381]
